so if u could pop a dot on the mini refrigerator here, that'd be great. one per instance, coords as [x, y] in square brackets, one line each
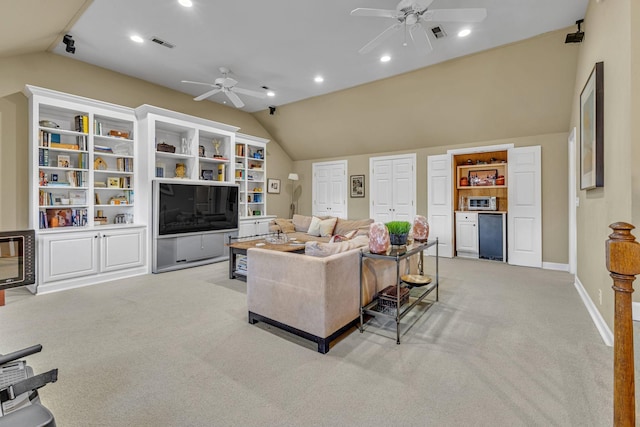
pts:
[490, 236]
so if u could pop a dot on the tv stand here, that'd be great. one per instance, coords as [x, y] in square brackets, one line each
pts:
[173, 252]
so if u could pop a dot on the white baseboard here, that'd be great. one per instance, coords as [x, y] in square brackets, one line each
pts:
[598, 320]
[555, 266]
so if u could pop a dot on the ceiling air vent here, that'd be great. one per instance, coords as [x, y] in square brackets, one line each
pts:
[438, 32]
[162, 42]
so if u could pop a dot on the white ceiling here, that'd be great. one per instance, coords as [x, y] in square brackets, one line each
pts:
[283, 44]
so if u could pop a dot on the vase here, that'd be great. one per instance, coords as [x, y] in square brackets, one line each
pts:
[398, 239]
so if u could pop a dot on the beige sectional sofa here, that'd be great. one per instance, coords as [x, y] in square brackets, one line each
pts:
[316, 297]
[298, 227]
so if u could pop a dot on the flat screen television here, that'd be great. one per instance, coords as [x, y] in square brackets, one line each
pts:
[190, 208]
[17, 258]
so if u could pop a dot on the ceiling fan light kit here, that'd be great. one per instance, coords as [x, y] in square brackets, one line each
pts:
[226, 85]
[410, 16]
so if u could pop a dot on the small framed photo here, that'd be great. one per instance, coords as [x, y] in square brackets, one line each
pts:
[273, 186]
[64, 161]
[357, 185]
[54, 177]
[207, 174]
[113, 182]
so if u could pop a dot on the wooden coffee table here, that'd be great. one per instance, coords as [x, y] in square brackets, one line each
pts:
[240, 248]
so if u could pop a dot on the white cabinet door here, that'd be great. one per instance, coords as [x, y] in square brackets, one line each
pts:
[329, 189]
[122, 249]
[68, 256]
[525, 207]
[439, 206]
[467, 234]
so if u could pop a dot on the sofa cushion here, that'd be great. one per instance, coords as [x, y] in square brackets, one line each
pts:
[301, 222]
[319, 249]
[322, 227]
[343, 226]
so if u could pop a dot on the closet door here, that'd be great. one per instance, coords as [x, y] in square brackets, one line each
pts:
[382, 186]
[525, 207]
[329, 189]
[403, 189]
[393, 188]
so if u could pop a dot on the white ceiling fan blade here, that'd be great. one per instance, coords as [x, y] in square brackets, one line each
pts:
[207, 94]
[455, 15]
[379, 13]
[420, 38]
[234, 98]
[198, 83]
[248, 92]
[380, 38]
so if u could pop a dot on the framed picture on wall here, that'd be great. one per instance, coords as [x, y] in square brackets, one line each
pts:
[357, 185]
[592, 130]
[273, 186]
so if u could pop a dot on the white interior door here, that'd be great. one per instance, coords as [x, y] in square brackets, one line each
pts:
[525, 207]
[404, 189]
[381, 200]
[439, 205]
[329, 189]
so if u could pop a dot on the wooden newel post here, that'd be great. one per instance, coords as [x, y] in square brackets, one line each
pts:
[623, 261]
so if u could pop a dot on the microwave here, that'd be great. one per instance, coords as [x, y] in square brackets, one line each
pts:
[17, 258]
[482, 203]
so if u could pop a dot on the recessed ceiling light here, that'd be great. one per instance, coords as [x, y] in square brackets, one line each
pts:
[385, 58]
[318, 79]
[271, 93]
[464, 33]
[186, 3]
[137, 39]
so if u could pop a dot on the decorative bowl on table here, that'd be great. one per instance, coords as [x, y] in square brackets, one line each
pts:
[280, 239]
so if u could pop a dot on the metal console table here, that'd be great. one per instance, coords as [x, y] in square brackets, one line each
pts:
[417, 294]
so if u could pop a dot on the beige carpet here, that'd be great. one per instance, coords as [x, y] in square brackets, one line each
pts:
[505, 346]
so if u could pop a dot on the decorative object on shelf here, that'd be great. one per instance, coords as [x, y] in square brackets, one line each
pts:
[159, 170]
[357, 186]
[207, 174]
[500, 180]
[464, 181]
[119, 134]
[398, 232]
[48, 124]
[592, 130]
[379, 242]
[184, 146]
[64, 161]
[181, 170]
[420, 228]
[483, 177]
[166, 148]
[100, 164]
[416, 280]
[113, 182]
[273, 186]
[293, 177]
[201, 151]
[216, 147]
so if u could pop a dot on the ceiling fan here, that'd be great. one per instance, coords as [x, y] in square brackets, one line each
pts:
[410, 14]
[226, 85]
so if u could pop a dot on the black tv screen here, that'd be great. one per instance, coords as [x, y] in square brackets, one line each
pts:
[188, 208]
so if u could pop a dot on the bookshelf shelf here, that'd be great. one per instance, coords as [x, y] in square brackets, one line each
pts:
[250, 174]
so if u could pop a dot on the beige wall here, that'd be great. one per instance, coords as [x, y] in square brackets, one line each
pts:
[607, 38]
[554, 186]
[71, 76]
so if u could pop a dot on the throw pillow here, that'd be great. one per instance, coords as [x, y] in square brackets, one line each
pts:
[301, 222]
[286, 226]
[320, 227]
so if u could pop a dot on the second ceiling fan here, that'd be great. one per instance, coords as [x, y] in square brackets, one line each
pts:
[410, 14]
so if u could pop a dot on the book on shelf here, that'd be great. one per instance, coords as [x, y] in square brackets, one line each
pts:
[63, 146]
[102, 149]
[240, 150]
[82, 123]
[222, 169]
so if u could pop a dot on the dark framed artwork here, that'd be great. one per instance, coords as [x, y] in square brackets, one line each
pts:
[357, 185]
[273, 186]
[592, 130]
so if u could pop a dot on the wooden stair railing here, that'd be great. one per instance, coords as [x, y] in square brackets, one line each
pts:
[623, 262]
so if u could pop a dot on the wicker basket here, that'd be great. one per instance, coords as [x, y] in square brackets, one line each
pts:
[387, 297]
